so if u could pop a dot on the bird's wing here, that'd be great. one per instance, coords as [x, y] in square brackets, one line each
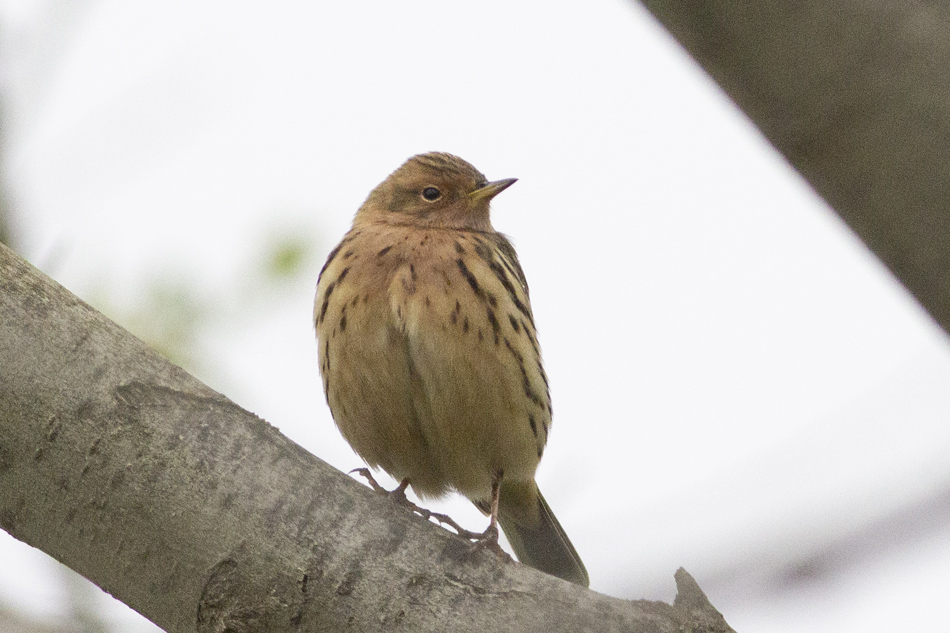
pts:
[470, 338]
[368, 379]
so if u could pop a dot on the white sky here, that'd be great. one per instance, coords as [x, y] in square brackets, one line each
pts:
[738, 383]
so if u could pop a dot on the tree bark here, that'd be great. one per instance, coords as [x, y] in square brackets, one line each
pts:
[201, 516]
[856, 95]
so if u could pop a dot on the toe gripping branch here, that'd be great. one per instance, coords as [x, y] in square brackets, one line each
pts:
[481, 540]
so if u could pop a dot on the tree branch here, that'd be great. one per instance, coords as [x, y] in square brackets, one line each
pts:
[201, 516]
[856, 95]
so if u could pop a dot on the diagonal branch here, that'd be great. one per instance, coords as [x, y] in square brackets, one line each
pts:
[856, 95]
[201, 516]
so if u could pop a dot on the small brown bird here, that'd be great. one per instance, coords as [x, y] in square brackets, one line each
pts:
[429, 356]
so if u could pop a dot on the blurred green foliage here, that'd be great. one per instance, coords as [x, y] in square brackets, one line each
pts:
[288, 255]
[173, 314]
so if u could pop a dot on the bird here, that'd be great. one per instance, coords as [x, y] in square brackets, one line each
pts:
[429, 355]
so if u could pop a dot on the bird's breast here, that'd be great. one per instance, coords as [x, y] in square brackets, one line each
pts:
[452, 309]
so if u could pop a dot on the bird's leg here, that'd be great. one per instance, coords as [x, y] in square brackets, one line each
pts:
[399, 493]
[445, 519]
[398, 496]
[364, 472]
[489, 538]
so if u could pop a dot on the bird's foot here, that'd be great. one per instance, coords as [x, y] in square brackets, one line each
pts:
[488, 540]
[445, 519]
[398, 495]
[366, 474]
[481, 540]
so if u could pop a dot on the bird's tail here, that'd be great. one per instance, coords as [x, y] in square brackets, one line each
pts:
[536, 536]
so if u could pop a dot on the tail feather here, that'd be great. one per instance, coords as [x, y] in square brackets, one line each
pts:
[539, 541]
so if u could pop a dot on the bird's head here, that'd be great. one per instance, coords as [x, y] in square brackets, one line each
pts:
[434, 190]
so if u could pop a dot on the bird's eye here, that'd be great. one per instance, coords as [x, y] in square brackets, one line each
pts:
[431, 194]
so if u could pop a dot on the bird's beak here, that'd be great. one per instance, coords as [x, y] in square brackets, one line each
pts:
[492, 189]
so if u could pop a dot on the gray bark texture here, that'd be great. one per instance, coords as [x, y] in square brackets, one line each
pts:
[203, 517]
[856, 95]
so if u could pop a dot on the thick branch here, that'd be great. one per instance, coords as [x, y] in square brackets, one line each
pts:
[201, 516]
[856, 95]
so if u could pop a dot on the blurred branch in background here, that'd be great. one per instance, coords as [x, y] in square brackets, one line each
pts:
[779, 571]
[856, 96]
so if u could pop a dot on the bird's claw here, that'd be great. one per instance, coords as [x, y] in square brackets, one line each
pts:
[397, 495]
[488, 540]
[480, 540]
[366, 474]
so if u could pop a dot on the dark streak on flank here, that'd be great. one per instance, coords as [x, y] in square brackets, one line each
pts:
[412, 273]
[481, 249]
[495, 326]
[526, 382]
[507, 285]
[465, 325]
[505, 252]
[343, 320]
[510, 269]
[510, 259]
[514, 323]
[326, 301]
[330, 258]
[534, 426]
[518, 356]
[544, 376]
[469, 277]
[531, 338]
[454, 316]
[383, 251]
[459, 249]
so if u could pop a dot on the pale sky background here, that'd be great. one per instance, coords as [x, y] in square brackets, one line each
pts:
[740, 388]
